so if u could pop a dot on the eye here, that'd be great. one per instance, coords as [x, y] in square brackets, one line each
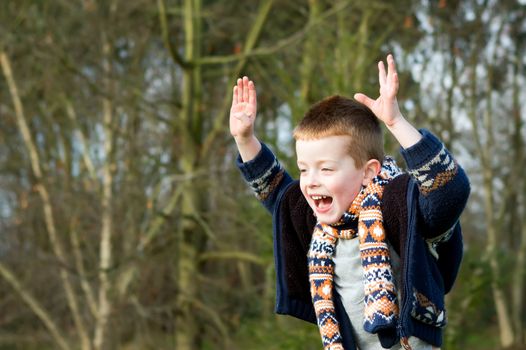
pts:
[303, 170]
[326, 169]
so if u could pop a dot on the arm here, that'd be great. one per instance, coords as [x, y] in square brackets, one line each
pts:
[258, 165]
[443, 185]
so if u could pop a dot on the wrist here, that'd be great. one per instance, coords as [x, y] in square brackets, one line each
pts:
[248, 147]
[396, 121]
[405, 133]
[245, 140]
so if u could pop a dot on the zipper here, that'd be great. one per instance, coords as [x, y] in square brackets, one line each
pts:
[410, 199]
[281, 305]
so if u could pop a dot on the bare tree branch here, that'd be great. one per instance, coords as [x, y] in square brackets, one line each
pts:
[44, 195]
[35, 306]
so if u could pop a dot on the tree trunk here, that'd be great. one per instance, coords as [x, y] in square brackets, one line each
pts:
[519, 159]
[308, 58]
[186, 270]
[484, 150]
[100, 340]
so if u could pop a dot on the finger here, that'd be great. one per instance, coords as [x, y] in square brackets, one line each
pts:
[252, 93]
[395, 84]
[391, 68]
[381, 73]
[366, 100]
[239, 90]
[245, 89]
[234, 96]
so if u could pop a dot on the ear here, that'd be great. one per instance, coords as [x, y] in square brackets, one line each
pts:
[370, 170]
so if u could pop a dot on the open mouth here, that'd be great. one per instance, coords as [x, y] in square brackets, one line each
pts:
[322, 202]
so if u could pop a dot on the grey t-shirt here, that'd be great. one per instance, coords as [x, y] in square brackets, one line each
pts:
[348, 281]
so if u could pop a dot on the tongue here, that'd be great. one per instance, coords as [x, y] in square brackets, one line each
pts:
[325, 203]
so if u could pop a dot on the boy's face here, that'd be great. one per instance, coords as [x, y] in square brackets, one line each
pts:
[329, 179]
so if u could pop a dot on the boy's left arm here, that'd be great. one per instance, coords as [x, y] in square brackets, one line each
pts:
[443, 185]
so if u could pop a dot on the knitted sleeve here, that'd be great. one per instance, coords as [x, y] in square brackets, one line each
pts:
[265, 176]
[443, 185]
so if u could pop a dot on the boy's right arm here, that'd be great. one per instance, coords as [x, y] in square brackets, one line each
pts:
[257, 163]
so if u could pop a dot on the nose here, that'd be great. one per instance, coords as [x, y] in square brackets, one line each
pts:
[311, 179]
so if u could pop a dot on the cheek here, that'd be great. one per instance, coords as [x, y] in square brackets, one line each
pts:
[348, 189]
[302, 188]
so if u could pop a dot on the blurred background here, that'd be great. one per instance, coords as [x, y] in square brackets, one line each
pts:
[124, 223]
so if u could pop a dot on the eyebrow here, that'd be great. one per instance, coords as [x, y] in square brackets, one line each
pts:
[319, 161]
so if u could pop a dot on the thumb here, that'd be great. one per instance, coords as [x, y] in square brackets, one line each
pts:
[366, 100]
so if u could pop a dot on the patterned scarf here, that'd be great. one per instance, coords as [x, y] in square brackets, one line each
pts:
[381, 309]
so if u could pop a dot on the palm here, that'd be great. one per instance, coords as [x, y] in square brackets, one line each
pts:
[242, 117]
[385, 107]
[244, 108]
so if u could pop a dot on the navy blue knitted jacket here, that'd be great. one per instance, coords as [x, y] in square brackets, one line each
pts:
[421, 211]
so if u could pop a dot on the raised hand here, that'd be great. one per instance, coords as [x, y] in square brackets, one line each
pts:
[385, 107]
[243, 110]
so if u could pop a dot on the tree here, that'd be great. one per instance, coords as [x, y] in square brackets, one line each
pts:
[478, 45]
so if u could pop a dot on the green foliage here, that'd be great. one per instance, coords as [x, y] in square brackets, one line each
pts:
[276, 333]
[175, 185]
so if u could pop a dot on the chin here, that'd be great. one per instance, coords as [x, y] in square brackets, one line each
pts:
[327, 220]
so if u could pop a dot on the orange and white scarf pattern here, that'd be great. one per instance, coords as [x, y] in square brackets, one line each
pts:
[381, 308]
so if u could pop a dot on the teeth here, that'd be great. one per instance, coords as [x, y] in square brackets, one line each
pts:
[318, 197]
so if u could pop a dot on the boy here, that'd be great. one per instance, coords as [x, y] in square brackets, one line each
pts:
[377, 249]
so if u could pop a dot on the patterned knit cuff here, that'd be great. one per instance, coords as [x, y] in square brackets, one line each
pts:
[430, 163]
[255, 168]
[423, 151]
[263, 173]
